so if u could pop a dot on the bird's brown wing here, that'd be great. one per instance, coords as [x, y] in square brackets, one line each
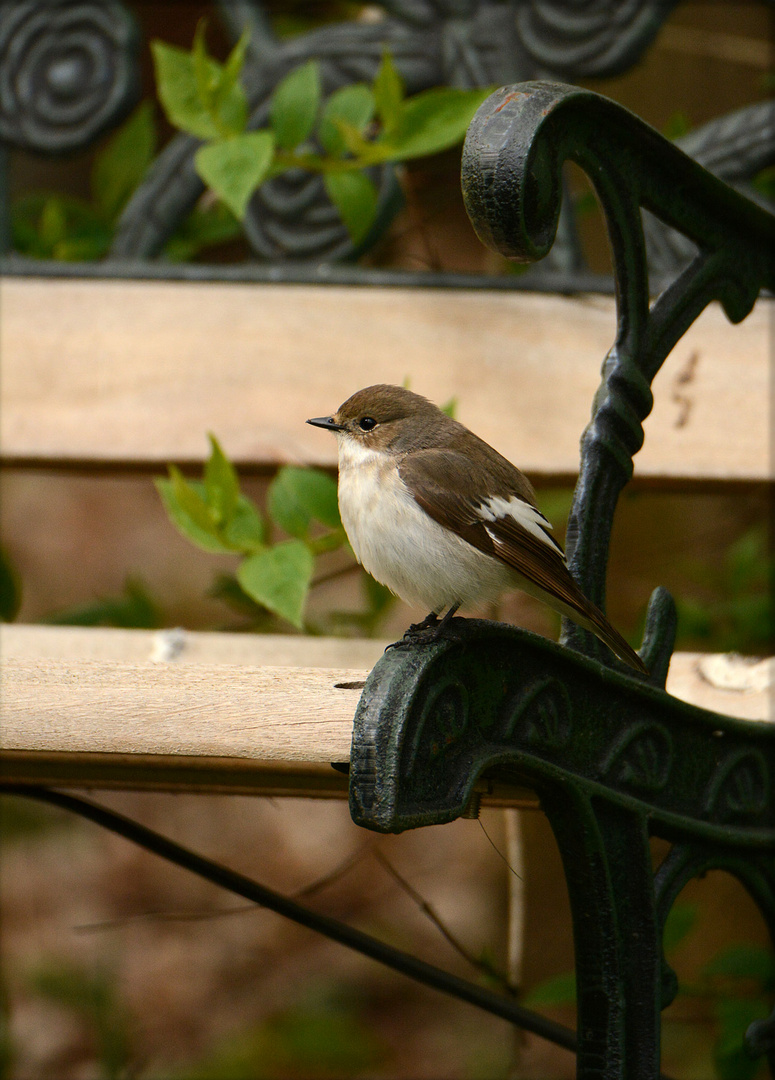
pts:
[439, 480]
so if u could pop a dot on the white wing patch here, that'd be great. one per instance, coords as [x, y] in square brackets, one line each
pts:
[525, 515]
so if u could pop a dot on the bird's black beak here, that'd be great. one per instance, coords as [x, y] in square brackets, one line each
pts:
[326, 422]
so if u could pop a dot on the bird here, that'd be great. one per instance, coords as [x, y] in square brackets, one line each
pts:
[442, 519]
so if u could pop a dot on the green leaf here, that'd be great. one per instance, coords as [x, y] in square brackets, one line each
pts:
[764, 182]
[188, 512]
[388, 92]
[585, 203]
[432, 121]
[204, 227]
[221, 484]
[53, 223]
[303, 1040]
[733, 1016]
[748, 561]
[235, 167]
[218, 86]
[681, 919]
[10, 590]
[230, 101]
[295, 104]
[353, 141]
[247, 529]
[744, 962]
[298, 496]
[205, 72]
[235, 62]
[355, 197]
[58, 227]
[557, 990]
[191, 501]
[352, 106]
[279, 578]
[133, 609]
[677, 124]
[176, 85]
[93, 997]
[378, 597]
[121, 164]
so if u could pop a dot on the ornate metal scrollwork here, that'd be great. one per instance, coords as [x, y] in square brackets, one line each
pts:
[542, 710]
[641, 759]
[512, 162]
[734, 147]
[434, 717]
[741, 789]
[67, 71]
[604, 37]
[433, 42]
[291, 217]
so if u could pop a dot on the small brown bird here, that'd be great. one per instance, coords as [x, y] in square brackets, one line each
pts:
[442, 519]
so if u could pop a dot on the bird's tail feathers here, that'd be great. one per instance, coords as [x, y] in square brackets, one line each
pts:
[591, 618]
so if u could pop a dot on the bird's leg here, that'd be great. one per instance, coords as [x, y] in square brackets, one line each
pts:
[429, 621]
[427, 630]
[447, 619]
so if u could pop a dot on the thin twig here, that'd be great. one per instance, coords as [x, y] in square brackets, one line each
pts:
[477, 962]
[203, 916]
[497, 1004]
[334, 875]
[499, 852]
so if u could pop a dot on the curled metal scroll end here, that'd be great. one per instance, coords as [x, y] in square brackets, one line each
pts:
[659, 635]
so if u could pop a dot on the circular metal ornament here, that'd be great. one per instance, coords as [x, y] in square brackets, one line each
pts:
[68, 72]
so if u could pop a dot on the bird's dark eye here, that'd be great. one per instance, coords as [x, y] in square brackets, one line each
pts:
[366, 423]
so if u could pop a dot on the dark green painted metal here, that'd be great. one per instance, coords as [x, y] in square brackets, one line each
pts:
[613, 757]
[433, 717]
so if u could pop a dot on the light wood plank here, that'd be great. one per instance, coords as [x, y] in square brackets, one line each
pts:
[730, 685]
[195, 710]
[70, 720]
[138, 372]
[35, 642]
[725, 683]
[57, 697]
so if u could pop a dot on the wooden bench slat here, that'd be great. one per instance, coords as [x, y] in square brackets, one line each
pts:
[136, 372]
[199, 723]
[36, 642]
[197, 710]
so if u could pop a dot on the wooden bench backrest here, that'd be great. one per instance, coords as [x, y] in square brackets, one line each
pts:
[134, 373]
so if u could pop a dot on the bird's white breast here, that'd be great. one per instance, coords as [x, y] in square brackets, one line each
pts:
[402, 546]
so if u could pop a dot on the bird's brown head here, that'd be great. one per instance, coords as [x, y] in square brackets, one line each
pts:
[382, 416]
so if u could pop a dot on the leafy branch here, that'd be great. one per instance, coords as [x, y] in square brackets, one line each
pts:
[339, 137]
[52, 225]
[215, 515]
